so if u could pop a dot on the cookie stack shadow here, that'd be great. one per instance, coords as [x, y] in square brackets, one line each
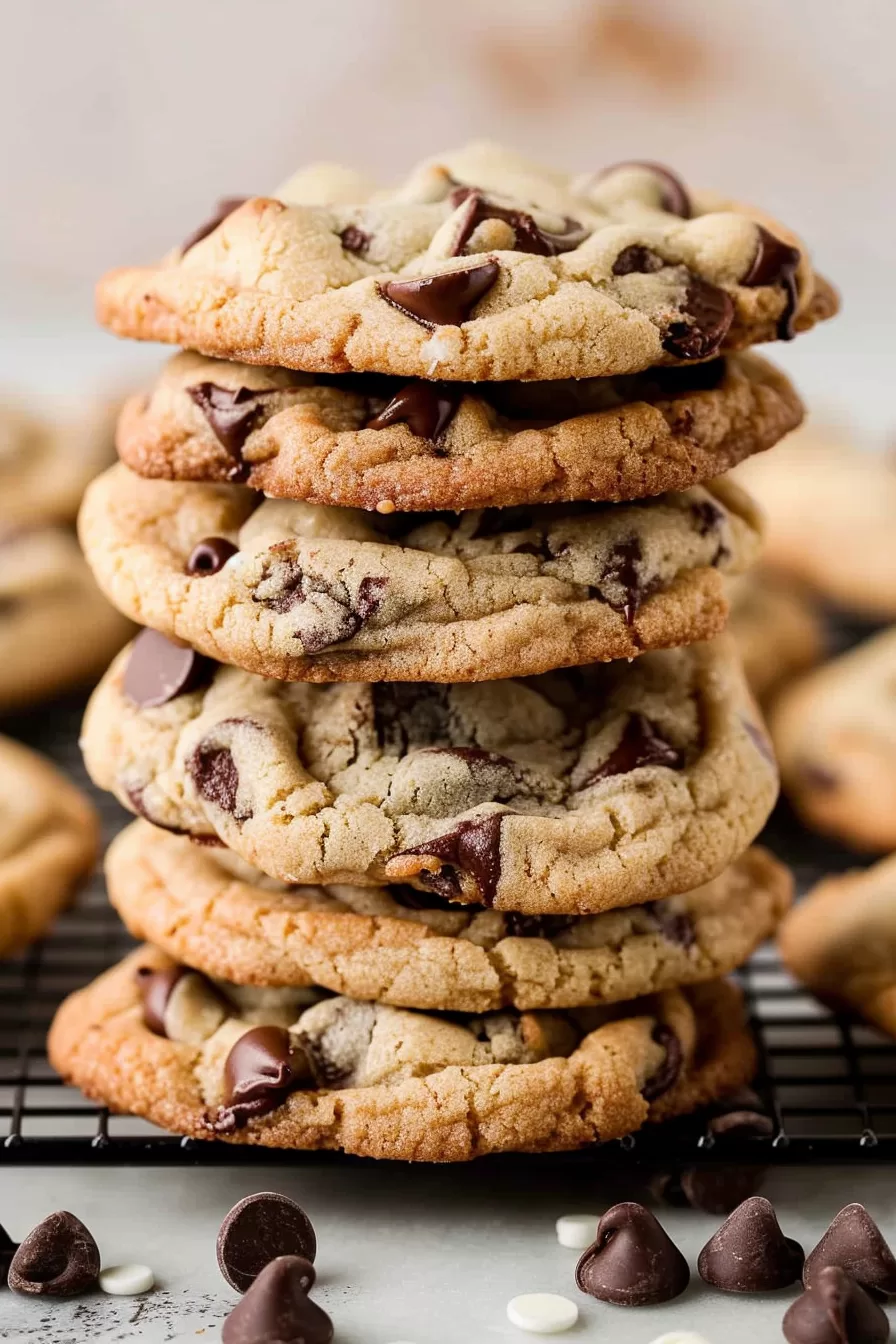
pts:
[446, 775]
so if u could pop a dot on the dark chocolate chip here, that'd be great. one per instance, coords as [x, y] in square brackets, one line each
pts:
[673, 195]
[225, 207]
[711, 312]
[8, 1248]
[160, 669]
[136, 796]
[408, 712]
[741, 1124]
[675, 926]
[214, 773]
[260, 1071]
[426, 408]
[232, 414]
[637, 260]
[856, 1244]
[278, 1310]
[330, 614]
[667, 1074]
[622, 571]
[409, 898]
[155, 990]
[633, 1262]
[257, 1230]
[641, 744]
[712, 1187]
[210, 555]
[59, 1258]
[527, 235]
[355, 240]
[473, 848]
[775, 263]
[536, 926]
[749, 1253]
[835, 1310]
[442, 300]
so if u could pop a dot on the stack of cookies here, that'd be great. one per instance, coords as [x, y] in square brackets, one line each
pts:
[446, 777]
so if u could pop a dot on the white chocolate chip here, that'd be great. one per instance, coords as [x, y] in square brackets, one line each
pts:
[577, 1230]
[126, 1280]
[542, 1313]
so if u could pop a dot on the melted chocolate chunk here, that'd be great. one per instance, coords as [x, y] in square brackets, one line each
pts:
[260, 1071]
[667, 1074]
[622, 569]
[155, 990]
[472, 848]
[855, 1244]
[256, 1231]
[335, 1054]
[210, 555]
[136, 796]
[355, 240]
[160, 669]
[59, 1258]
[442, 300]
[637, 260]
[278, 1310]
[673, 195]
[677, 928]
[232, 415]
[411, 899]
[331, 615]
[216, 779]
[640, 744]
[225, 207]
[409, 712]
[775, 263]
[633, 1262]
[537, 926]
[750, 1253]
[835, 1310]
[711, 312]
[426, 408]
[708, 518]
[527, 235]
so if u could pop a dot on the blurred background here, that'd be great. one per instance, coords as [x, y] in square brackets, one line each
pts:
[124, 122]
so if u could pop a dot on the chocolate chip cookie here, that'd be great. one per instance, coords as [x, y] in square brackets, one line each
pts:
[415, 949]
[305, 592]
[49, 836]
[46, 460]
[835, 735]
[209, 1061]
[480, 267]
[777, 626]
[371, 442]
[573, 792]
[841, 942]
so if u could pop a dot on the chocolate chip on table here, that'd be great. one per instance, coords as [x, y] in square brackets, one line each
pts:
[58, 1258]
[442, 300]
[278, 1310]
[855, 1243]
[155, 990]
[641, 744]
[260, 1228]
[210, 555]
[835, 1310]
[260, 1071]
[711, 312]
[749, 1253]
[633, 1262]
[8, 1248]
[712, 1187]
[426, 408]
[160, 669]
[225, 207]
[232, 414]
[776, 263]
[673, 195]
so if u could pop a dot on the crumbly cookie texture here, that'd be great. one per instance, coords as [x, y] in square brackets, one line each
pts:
[413, 949]
[573, 792]
[479, 267]
[841, 942]
[384, 1082]
[46, 460]
[777, 626]
[56, 628]
[49, 836]
[307, 592]
[835, 735]
[377, 443]
[829, 508]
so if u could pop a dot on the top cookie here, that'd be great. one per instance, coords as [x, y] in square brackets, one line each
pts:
[479, 267]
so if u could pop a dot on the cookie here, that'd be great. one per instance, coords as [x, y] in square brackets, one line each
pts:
[413, 949]
[777, 626]
[573, 792]
[829, 510]
[841, 942]
[376, 443]
[835, 737]
[46, 460]
[56, 628]
[49, 836]
[457, 276]
[385, 1082]
[304, 592]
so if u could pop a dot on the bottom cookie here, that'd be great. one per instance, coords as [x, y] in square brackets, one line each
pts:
[274, 1068]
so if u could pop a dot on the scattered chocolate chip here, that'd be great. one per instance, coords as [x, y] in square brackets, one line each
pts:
[58, 1258]
[474, 848]
[527, 235]
[210, 555]
[749, 1253]
[257, 1230]
[711, 312]
[8, 1248]
[160, 669]
[155, 990]
[667, 1074]
[633, 1262]
[214, 773]
[712, 1187]
[855, 1243]
[622, 571]
[225, 207]
[278, 1310]
[835, 1310]
[232, 414]
[355, 240]
[637, 260]
[673, 195]
[775, 263]
[260, 1071]
[640, 744]
[442, 300]
[426, 408]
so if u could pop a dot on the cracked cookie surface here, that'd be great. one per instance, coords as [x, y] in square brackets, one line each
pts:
[212, 1062]
[480, 266]
[573, 792]
[372, 442]
[305, 592]
[413, 949]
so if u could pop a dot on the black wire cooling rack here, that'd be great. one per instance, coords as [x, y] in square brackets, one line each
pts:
[829, 1083]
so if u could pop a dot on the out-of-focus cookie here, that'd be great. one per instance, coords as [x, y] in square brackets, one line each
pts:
[305, 592]
[49, 835]
[829, 510]
[834, 733]
[570, 793]
[47, 459]
[778, 628]
[377, 443]
[207, 1061]
[413, 949]
[480, 267]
